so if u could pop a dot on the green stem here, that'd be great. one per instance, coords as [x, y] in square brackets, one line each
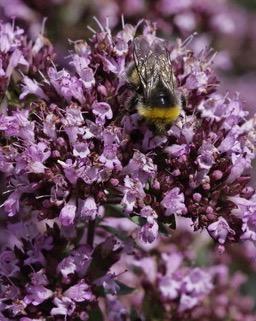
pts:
[90, 233]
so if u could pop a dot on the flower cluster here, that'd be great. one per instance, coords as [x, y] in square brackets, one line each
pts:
[38, 269]
[19, 56]
[74, 149]
[190, 286]
[169, 285]
[72, 155]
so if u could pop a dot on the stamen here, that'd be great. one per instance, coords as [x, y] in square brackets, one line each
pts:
[107, 25]
[43, 25]
[212, 58]
[99, 24]
[188, 40]
[91, 29]
[43, 76]
[122, 21]
[42, 196]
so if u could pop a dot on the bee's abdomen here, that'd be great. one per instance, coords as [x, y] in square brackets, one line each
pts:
[161, 105]
[166, 114]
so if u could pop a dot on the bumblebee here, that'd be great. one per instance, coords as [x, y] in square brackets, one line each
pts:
[156, 99]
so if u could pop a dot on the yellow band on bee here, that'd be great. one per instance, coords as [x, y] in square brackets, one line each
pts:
[166, 114]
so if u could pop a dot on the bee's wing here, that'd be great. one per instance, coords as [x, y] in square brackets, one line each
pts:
[152, 63]
[141, 54]
[164, 66]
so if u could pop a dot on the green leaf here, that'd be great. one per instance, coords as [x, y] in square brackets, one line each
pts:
[164, 229]
[117, 233]
[134, 315]
[113, 210]
[124, 289]
[138, 220]
[106, 255]
[169, 221]
[95, 314]
[152, 307]
[203, 255]
[166, 224]
[99, 291]
[12, 98]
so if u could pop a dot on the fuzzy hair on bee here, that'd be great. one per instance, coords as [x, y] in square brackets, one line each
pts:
[156, 98]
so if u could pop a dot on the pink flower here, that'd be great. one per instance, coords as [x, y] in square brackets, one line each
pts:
[65, 306]
[68, 213]
[89, 209]
[220, 230]
[173, 201]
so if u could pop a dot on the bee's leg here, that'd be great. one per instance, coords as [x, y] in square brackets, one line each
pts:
[183, 101]
[159, 127]
[152, 127]
[131, 103]
[126, 101]
[136, 135]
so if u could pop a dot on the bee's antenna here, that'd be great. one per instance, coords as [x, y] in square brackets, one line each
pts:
[99, 24]
[91, 29]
